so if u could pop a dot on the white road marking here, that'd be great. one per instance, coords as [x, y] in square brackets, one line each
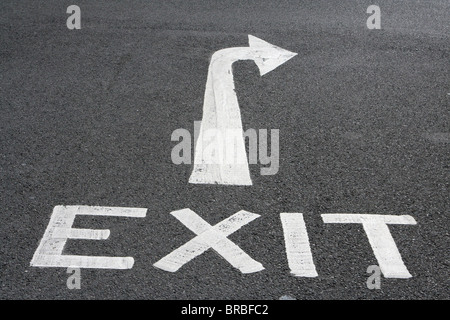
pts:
[59, 229]
[214, 237]
[380, 239]
[298, 249]
[221, 111]
[86, 234]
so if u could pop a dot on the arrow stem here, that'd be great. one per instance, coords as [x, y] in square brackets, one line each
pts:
[222, 116]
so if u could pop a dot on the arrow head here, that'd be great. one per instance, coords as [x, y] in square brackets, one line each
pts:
[268, 57]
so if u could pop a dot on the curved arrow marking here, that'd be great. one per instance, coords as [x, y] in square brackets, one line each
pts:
[221, 127]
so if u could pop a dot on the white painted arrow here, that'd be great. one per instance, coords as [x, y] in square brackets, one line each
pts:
[220, 156]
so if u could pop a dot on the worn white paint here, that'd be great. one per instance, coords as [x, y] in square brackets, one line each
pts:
[59, 229]
[298, 249]
[221, 114]
[380, 239]
[214, 237]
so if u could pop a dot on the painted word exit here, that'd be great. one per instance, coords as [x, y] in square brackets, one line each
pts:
[297, 246]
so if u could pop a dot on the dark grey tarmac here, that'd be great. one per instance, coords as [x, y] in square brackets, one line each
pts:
[86, 118]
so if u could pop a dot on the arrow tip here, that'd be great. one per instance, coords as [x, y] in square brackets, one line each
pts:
[269, 57]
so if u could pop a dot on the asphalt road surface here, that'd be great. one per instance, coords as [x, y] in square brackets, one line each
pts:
[86, 118]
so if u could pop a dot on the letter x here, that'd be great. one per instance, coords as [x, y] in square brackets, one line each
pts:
[214, 237]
